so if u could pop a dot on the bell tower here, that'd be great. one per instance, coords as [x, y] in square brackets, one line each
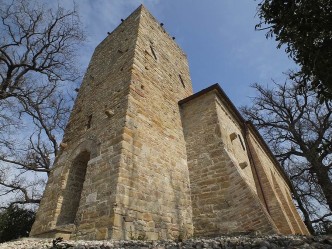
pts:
[122, 171]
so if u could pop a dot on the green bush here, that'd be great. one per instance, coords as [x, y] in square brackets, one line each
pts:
[15, 222]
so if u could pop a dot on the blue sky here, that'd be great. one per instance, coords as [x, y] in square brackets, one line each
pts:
[218, 37]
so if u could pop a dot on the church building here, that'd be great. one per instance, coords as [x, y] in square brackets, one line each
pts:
[142, 157]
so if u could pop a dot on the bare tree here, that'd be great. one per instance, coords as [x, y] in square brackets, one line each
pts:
[298, 127]
[38, 49]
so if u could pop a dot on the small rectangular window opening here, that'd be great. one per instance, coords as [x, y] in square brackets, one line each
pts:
[154, 54]
[88, 125]
[184, 86]
[244, 148]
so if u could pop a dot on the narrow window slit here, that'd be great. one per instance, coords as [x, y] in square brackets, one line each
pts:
[154, 54]
[244, 148]
[182, 82]
[88, 125]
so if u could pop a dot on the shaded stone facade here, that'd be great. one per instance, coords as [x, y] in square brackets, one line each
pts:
[237, 186]
[144, 158]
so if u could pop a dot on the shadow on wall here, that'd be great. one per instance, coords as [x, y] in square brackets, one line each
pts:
[73, 189]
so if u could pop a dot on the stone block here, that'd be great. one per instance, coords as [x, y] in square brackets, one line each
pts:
[147, 217]
[101, 234]
[152, 236]
[118, 220]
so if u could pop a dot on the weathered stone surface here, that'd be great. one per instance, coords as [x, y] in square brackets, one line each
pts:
[124, 119]
[236, 186]
[223, 242]
[137, 165]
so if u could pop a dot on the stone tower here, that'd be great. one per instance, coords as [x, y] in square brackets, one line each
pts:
[144, 158]
[122, 170]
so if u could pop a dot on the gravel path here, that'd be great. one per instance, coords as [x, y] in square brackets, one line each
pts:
[236, 242]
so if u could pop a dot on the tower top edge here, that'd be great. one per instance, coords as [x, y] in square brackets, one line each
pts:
[139, 14]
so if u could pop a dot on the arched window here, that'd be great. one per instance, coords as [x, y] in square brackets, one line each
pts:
[73, 190]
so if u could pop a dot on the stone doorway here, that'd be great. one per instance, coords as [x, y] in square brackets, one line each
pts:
[73, 189]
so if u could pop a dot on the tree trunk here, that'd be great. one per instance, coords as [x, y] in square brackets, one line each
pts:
[305, 213]
[324, 181]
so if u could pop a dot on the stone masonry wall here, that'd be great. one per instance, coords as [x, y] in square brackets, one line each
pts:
[153, 192]
[234, 142]
[96, 128]
[224, 198]
[127, 124]
[276, 191]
